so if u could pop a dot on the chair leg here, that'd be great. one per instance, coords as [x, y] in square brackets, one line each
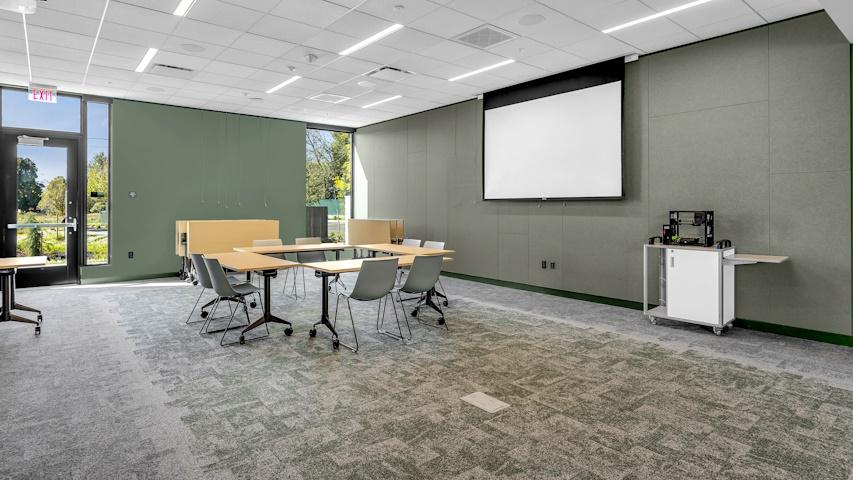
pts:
[409, 327]
[209, 316]
[225, 332]
[196, 305]
[443, 293]
[352, 321]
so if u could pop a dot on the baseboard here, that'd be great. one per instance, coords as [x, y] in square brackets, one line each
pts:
[804, 333]
[126, 278]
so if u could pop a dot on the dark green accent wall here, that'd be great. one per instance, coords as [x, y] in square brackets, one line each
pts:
[755, 126]
[195, 164]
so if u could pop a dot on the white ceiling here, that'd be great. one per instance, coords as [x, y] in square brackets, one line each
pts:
[240, 48]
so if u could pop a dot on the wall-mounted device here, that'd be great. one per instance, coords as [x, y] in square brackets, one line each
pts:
[689, 227]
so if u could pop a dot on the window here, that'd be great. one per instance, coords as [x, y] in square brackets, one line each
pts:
[62, 116]
[328, 168]
[97, 183]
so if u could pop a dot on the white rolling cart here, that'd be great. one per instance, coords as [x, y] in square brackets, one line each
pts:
[696, 284]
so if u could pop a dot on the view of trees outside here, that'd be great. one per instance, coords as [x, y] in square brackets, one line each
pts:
[97, 183]
[41, 199]
[328, 175]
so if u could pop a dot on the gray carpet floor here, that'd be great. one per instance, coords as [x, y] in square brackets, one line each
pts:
[118, 386]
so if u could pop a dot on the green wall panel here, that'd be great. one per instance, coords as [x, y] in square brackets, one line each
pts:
[195, 164]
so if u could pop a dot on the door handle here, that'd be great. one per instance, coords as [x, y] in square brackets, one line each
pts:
[672, 262]
[70, 224]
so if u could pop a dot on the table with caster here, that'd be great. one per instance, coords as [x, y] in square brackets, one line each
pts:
[8, 269]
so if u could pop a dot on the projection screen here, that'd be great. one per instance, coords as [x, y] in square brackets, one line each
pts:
[567, 145]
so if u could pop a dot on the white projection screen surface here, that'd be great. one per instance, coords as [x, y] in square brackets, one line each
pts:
[567, 145]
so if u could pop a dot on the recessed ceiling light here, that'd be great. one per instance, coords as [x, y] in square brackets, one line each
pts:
[284, 83]
[143, 64]
[27, 44]
[373, 38]
[656, 15]
[95, 42]
[183, 7]
[484, 69]
[329, 98]
[192, 47]
[531, 19]
[395, 97]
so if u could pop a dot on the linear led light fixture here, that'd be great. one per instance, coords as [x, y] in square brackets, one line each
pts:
[373, 38]
[656, 15]
[284, 83]
[395, 97]
[143, 64]
[27, 43]
[95, 42]
[484, 69]
[183, 7]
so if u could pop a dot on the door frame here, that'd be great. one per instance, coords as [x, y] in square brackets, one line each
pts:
[8, 178]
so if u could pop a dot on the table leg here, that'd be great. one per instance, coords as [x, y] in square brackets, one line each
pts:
[324, 314]
[6, 315]
[267, 317]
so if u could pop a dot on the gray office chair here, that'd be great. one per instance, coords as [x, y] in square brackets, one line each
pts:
[226, 291]
[297, 270]
[374, 282]
[203, 278]
[421, 281]
[271, 242]
[443, 293]
[411, 242]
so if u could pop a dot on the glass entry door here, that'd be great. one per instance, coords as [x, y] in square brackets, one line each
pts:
[40, 206]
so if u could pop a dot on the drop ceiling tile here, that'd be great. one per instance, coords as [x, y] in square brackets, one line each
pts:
[86, 8]
[359, 25]
[713, 12]
[728, 26]
[329, 75]
[556, 61]
[487, 9]
[224, 14]
[58, 52]
[418, 63]
[59, 37]
[349, 90]
[446, 23]
[230, 69]
[158, 90]
[301, 54]
[484, 82]
[95, 81]
[166, 6]
[479, 60]
[600, 47]
[171, 82]
[352, 65]
[288, 67]
[314, 85]
[666, 41]
[137, 36]
[412, 41]
[284, 29]
[13, 29]
[262, 45]
[121, 49]
[646, 33]
[179, 60]
[568, 32]
[40, 63]
[206, 32]
[318, 13]
[112, 61]
[124, 75]
[330, 41]
[188, 46]
[242, 57]
[609, 14]
[12, 44]
[131, 15]
[398, 11]
[379, 54]
[64, 21]
[520, 48]
[789, 9]
[181, 101]
[520, 72]
[216, 79]
[425, 82]
[449, 51]
[259, 5]
[267, 77]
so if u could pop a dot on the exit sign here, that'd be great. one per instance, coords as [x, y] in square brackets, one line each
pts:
[42, 93]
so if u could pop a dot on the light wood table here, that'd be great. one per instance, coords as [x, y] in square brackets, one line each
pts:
[8, 267]
[310, 247]
[395, 249]
[268, 266]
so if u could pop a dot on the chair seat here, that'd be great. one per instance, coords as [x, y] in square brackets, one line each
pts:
[245, 288]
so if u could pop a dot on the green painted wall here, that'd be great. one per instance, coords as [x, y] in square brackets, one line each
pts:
[195, 164]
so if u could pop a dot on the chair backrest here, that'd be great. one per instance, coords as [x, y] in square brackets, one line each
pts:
[411, 242]
[375, 278]
[307, 240]
[311, 257]
[201, 270]
[217, 276]
[272, 242]
[436, 245]
[423, 274]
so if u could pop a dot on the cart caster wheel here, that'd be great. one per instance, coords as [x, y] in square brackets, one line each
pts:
[195, 282]
[414, 313]
[727, 327]
[718, 331]
[446, 303]
[312, 333]
[336, 344]
[39, 319]
[204, 314]
[253, 304]
[441, 321]
[38, 330]
[242, 340]
[653, 320]
[288, 331]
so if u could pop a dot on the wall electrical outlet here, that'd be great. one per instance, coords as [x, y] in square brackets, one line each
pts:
[544, 264]
[553, 265]
[130, 254]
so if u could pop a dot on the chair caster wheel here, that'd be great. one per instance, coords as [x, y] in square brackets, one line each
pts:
[441, 321]
[653, 320]
[253, 304]
[414, 313]
[39, 319]
[446, 303]
[718, 331]
[38, 330]
[336, 344]
[312, 333]
[288, 331]
[204, 314]
[242, 340]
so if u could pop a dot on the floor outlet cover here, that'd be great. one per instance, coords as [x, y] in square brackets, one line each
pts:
[485, 402]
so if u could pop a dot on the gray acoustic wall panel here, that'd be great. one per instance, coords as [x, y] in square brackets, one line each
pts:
[755, 126]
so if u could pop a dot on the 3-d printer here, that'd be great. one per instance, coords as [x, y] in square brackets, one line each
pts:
[688, 227]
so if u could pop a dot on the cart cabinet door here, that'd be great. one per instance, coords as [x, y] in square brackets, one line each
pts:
[693, 289]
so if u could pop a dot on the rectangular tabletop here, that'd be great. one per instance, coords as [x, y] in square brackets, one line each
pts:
[22, 262]
[755, 258]
[403, 249]
[249, 262]
[354, 265]
[309, 247]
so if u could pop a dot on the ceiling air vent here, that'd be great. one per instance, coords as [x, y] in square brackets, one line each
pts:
[389, 74]
[329, 98]
[171, 71]
[485, 36]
